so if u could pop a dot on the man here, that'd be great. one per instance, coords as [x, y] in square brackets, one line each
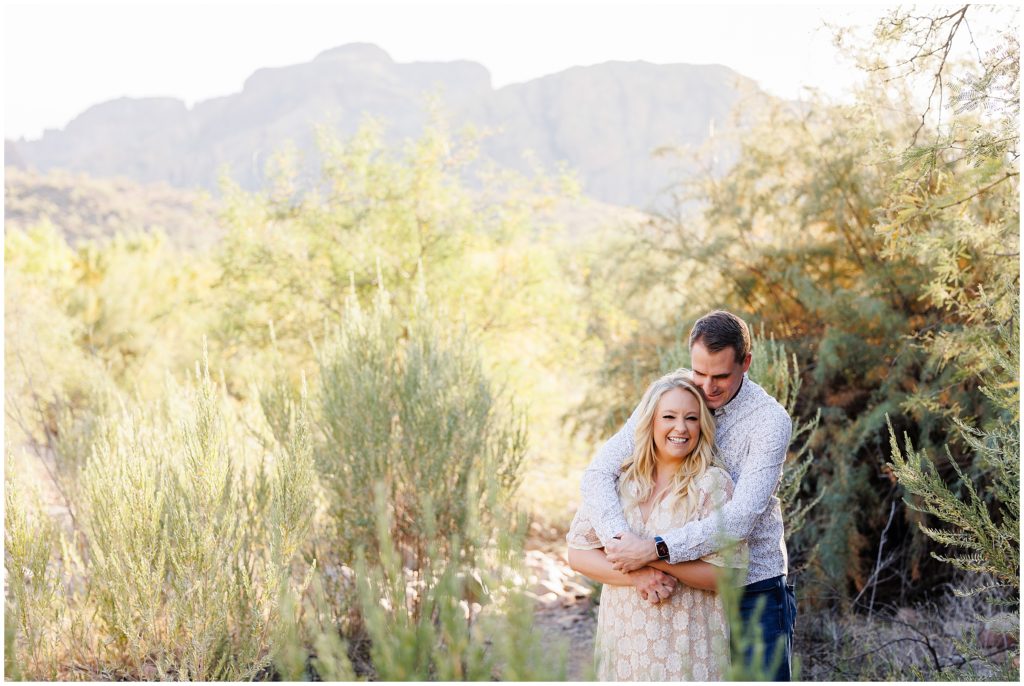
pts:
[753, 432]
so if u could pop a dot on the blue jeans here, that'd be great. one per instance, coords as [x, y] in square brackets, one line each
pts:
[777, 603]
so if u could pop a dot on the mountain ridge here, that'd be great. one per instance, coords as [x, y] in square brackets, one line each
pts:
[603, 120]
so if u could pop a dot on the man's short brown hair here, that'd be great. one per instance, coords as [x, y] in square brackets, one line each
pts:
[719, 330]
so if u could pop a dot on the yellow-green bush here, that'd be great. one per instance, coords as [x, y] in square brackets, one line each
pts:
[405, 404]
[448, 621]
[167, 569]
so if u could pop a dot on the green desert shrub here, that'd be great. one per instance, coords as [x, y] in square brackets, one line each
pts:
[45, 367]
[778, 373]
[448, 621]
[978, 518]
[501, 249]
[419, 457]
[405, 405]
[445, 621]
[185, 535]
[32, 609]
[129, 306]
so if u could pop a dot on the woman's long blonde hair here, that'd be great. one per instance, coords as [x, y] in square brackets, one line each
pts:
[640, 469]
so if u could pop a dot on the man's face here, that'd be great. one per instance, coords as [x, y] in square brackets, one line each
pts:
[718, 374]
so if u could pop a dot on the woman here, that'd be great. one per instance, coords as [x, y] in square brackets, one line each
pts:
[668, 480]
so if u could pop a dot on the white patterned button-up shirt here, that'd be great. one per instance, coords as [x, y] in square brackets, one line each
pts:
[753, 432]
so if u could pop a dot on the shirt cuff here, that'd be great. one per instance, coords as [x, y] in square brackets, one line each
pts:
[610, 526]
[678, 547]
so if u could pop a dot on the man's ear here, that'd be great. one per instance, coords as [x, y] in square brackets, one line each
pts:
[746, 362]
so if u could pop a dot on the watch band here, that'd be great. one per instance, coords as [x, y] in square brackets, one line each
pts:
[661, 547]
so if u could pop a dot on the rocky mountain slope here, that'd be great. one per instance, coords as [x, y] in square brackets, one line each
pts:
[604, 121]
[84, 208]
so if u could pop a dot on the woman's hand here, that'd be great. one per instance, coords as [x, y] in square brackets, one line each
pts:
[652, 585]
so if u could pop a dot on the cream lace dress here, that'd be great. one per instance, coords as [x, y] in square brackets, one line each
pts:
[684, 638]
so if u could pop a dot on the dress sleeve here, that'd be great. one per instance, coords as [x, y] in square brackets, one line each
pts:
[716, 490]
[599, 486]
[582, 535]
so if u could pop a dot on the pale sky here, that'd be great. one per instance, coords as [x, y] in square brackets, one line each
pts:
[62, 57]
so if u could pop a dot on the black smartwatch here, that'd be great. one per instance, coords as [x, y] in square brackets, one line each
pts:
[661, 547]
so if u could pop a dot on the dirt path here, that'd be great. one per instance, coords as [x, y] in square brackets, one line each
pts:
[566, 612]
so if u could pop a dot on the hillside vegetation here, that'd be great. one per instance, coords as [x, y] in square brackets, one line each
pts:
[83, 208]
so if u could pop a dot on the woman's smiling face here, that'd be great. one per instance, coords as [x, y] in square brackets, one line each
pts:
[676, 425]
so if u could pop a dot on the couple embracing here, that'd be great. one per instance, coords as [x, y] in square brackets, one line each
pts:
[695, 467]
